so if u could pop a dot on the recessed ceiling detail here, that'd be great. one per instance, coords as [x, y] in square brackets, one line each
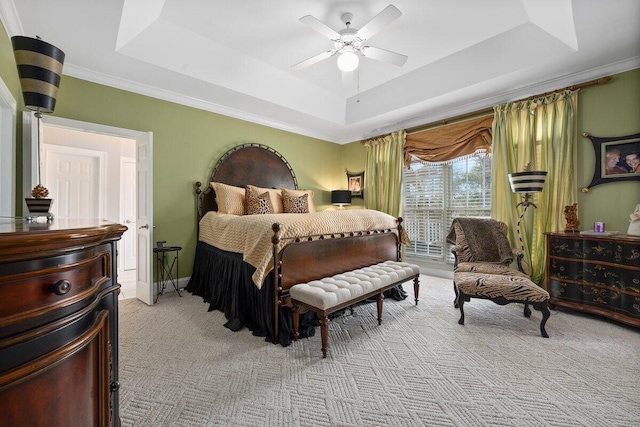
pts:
[235, 58]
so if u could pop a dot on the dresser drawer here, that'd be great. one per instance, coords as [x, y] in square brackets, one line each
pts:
[39, 287]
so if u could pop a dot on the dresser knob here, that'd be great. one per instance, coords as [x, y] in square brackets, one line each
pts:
[61, 287]
[114, 386]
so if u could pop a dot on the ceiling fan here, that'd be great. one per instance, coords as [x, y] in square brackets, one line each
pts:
[350, 43]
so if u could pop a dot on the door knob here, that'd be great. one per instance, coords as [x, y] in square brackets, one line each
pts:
[144, 226]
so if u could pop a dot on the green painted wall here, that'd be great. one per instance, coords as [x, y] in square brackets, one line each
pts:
[353, 159]
[612, 109]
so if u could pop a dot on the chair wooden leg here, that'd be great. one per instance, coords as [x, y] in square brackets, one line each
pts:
[544, 308]
[460, 299]
[324, 334]
[379, 298]
[416, 288]
[527, 311]
[457, 295]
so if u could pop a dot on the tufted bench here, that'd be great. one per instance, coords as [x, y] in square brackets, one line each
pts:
[334, 293]
[501, 285]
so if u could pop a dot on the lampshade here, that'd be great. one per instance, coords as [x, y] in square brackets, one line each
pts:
[528, 181]
[348, 61]
[341, 197]
[39, 69]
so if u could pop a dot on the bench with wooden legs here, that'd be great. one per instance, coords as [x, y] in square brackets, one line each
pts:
[330, 294]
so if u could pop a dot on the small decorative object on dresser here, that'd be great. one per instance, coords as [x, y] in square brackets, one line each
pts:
[571, 215]
[595, 272]
[59, 323]
[634, 222]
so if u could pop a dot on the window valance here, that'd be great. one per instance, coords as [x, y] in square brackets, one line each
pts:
[449, 142]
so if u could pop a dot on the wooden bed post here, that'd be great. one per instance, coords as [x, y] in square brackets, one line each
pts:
[400, 231]
[277, 288]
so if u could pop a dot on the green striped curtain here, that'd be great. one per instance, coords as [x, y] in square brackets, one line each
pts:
[383, 173]
[542, 132]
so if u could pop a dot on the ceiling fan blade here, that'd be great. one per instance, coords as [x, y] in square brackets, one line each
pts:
[384, 55]
[307, 62]
[320, 27]
[378, 22]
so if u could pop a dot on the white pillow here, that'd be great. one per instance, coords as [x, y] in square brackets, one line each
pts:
[230, 199]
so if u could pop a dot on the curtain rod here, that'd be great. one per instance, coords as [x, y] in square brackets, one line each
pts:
[486, 111]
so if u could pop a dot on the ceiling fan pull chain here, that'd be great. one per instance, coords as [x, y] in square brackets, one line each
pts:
[358, 85]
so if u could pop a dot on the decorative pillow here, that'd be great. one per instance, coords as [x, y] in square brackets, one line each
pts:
[295, 204]
[298, 193]
[230, 199]
[274, 194]
[257, 203]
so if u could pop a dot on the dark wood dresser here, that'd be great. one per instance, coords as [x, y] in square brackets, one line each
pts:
[59, 323]
[596, 274]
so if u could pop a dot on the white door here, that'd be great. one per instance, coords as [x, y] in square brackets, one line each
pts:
[76, 177]
[144, 217]
[128, 212]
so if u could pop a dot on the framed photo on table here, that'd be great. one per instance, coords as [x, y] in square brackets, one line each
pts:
[617, 159]
[355, 183]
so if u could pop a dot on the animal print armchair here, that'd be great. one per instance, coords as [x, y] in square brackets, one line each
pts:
[481, 245]
[483, 256]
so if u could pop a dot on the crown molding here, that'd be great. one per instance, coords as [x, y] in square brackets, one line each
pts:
[165, 95]
[510, 96]
[10, 19]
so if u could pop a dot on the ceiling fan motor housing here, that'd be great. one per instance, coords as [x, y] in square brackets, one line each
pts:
[346, 18]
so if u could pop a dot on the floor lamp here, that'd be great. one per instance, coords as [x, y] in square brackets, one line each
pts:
[39, 69]
[527, 183]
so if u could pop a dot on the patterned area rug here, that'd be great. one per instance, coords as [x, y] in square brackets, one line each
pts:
[180, 367]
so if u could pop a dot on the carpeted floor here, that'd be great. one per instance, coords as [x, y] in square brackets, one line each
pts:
[180, 367]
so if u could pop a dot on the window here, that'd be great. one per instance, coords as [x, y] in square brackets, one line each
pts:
[434, 194]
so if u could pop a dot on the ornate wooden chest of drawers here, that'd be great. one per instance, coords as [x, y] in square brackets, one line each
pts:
[596, 274]
[59, 323]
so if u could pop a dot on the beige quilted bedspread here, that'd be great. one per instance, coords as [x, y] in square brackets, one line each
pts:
[251, 235]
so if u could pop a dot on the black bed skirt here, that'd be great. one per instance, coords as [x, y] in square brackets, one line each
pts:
[223, 280]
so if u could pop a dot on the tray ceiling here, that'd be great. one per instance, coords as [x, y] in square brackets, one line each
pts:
[235, 57]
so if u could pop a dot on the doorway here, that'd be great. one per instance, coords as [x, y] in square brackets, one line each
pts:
[96, 171]
[84, 172]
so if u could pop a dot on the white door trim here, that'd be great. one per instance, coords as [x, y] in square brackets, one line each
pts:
[144, 288]
[7, 152]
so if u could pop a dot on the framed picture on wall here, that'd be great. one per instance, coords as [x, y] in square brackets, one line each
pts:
[355, 183]
[617, 159]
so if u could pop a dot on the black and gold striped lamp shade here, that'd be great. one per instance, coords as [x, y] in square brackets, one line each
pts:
[39, 68]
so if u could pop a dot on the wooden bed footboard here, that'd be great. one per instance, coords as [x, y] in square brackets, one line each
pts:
[314, 257]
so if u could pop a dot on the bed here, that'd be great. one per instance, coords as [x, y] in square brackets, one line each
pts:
[244, 265]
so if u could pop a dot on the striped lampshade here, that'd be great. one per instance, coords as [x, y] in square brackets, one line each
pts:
[39, 68]
[527, 182]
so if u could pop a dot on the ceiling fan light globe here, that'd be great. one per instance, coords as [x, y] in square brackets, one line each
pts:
[348, 61]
